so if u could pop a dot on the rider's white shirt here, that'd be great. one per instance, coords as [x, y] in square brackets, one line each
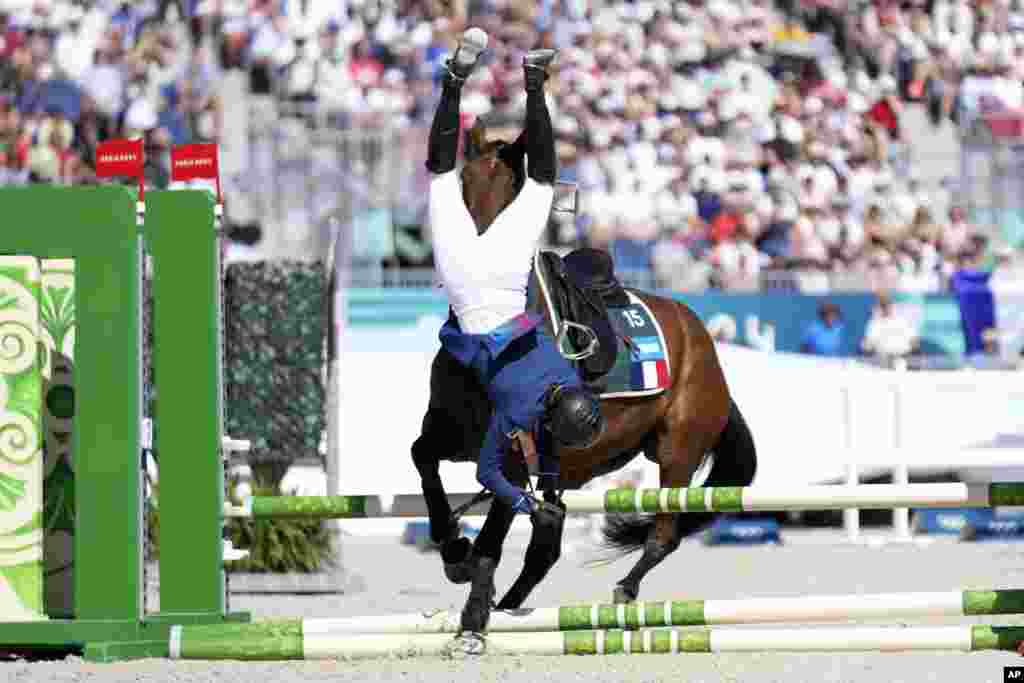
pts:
[486, 275]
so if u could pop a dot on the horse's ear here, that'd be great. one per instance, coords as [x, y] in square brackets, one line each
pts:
[477, 140]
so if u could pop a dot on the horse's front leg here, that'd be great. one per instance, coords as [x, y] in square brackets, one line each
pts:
[484, 562]
[487, 551]
[541, 555]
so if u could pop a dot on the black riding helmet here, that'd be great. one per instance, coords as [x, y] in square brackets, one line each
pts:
[574, 416]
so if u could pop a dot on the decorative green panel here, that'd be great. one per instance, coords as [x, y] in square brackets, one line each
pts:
[21, 453]
[57, 354]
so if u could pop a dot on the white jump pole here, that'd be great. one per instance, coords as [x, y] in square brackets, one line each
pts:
[187, 642]
[637, 615]
[682, 500]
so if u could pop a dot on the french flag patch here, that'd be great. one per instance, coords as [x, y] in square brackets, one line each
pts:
[650, 374]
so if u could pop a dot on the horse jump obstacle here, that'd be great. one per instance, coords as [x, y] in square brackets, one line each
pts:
[103, 231]
[697, 499]
[813, 608]
[293, 642]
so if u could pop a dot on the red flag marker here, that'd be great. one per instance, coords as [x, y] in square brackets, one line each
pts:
[196, 161]
[122, 158]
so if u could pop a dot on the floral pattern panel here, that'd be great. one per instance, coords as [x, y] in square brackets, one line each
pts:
[56, 361]
[21, 453]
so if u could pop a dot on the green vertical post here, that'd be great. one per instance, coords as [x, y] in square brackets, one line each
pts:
[96, 227]
[186, 370]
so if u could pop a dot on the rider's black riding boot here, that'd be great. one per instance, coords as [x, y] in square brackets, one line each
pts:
[540, 135]
[443, 148]
[443, 145]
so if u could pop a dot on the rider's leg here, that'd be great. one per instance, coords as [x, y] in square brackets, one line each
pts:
[444, 131]
[532, 206]
[540, 135]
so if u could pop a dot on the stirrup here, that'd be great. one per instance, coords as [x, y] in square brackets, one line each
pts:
[593, 344]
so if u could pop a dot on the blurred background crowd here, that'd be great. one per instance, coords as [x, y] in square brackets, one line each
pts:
[711, 142]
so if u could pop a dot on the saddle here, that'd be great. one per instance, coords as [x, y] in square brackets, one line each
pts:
[581, 287]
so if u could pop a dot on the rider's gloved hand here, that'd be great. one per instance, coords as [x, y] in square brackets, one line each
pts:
[544, 514]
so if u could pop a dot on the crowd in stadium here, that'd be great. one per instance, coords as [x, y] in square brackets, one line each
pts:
[710, 140]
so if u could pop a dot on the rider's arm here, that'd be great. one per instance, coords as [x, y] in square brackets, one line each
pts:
[490, 476]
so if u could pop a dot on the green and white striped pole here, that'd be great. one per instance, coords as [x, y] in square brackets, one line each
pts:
[202, 642]
[797, 609]
[670, 500]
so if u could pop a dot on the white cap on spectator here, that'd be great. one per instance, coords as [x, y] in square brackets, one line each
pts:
[788, 210]
[724, 10]
[988, 43]
[658, 54]
[706, 178]
[862, 82]
[858, 103]
[691, 52]
[728, 108]
[421, 35]
[883, 179]
[766, 132]
[790, 129]
[650, 128]
[838, 79]
[764, 206]
[141, 115]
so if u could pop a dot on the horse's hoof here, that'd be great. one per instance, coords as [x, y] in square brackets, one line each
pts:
[466, 644]
[622, 596]
[460, 572]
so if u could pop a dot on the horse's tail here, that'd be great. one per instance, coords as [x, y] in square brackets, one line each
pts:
[734, 464]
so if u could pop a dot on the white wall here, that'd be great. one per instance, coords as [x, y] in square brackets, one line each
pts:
[794, 405]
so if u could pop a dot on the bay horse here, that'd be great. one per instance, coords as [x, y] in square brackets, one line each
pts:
[693, 417]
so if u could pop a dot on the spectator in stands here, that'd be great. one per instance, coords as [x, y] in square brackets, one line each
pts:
[889, 334]
[694, 99]
[824, 336]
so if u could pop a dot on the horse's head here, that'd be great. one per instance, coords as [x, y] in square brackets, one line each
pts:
[491, 178]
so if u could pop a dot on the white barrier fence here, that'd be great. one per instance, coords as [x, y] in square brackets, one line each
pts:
[813, 420]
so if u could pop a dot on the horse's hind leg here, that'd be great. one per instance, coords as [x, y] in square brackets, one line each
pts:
[446, 434]
[444, 531]
[679, 459]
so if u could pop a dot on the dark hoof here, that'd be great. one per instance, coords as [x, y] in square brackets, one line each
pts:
[623, 596]
[459, 563]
